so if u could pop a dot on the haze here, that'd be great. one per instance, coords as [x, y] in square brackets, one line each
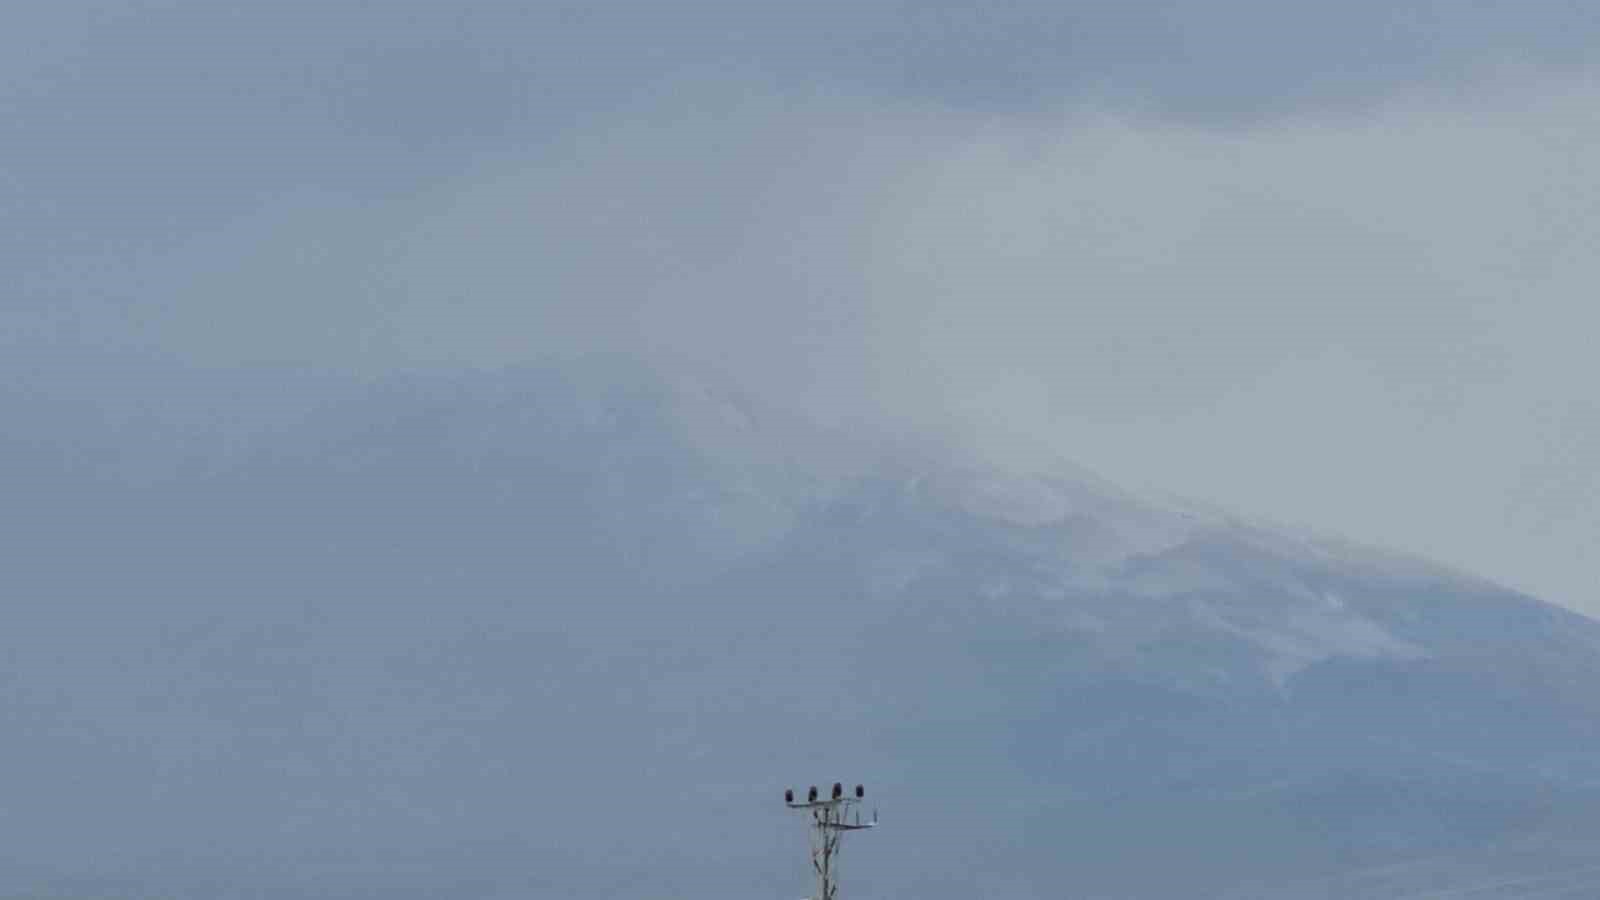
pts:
[445, 442]
[1329, 266]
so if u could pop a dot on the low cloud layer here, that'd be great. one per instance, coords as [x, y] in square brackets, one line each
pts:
[1195, 254]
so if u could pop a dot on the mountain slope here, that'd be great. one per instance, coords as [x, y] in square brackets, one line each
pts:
[571, 630]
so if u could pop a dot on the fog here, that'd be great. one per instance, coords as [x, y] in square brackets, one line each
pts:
[399, 400]
[1322, 268]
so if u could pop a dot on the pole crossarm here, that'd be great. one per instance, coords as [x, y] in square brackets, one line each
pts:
[830, 819]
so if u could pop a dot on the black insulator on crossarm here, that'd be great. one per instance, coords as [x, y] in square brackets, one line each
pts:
[838, 790]
[812, 796]
[788, 795]
[860, 792]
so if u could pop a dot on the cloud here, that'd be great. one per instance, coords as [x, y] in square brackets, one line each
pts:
[146, 124]
[1133, 267]
[1379, 318]
[1329, 268]
[1373, 323]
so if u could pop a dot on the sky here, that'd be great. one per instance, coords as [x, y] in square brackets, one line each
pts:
[1326, 264]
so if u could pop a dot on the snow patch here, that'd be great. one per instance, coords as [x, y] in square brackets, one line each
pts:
[1303, 637]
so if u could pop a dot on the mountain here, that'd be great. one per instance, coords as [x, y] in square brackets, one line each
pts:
[571, 630]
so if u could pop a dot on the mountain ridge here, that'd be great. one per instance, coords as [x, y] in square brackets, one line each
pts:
[393, 615]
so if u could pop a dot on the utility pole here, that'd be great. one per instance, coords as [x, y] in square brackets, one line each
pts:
[830, 819]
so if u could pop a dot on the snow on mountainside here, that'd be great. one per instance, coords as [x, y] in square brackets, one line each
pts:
[1068, 534]
[392, 617]
[1069, 537]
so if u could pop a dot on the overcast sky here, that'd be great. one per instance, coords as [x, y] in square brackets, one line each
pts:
[1332, 264]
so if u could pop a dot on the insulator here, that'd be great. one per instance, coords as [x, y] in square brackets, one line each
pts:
[838, 790]
[812, 796]
[788, 795]
[860, 792]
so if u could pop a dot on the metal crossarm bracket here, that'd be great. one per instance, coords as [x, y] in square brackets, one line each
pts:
[830, 819]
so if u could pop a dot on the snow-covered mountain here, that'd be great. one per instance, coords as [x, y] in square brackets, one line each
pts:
[570, 632]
